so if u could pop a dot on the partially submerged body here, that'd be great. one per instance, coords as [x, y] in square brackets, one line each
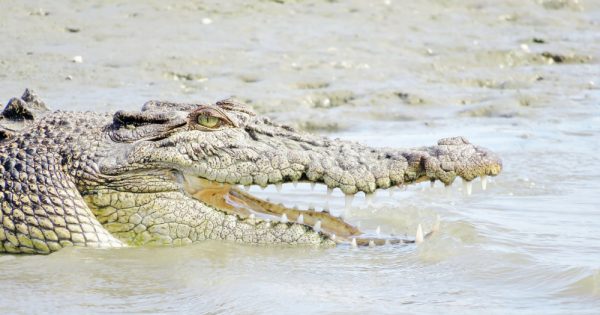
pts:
[172, 174]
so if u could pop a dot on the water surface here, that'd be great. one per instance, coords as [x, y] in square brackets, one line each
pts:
[518, 77]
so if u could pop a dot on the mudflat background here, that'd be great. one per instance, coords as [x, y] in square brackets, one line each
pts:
[388, 60]
[520, 77]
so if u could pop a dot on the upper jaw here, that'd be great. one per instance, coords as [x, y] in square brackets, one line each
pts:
[351, 167]
[260, 152]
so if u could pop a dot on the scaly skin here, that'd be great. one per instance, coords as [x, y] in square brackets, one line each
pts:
[159, 176]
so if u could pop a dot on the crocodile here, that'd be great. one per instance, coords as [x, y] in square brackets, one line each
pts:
[176, 173]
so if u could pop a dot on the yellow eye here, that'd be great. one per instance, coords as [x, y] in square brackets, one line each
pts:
[208, 121]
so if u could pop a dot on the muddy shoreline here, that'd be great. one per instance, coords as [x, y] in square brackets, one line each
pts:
[383, 60]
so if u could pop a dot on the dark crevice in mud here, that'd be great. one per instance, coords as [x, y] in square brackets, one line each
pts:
[178, 76]
[537, 40]
[556, 58]
[564, 58]
[410, 98]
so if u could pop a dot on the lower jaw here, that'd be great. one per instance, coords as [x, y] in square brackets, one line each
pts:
[232, 200]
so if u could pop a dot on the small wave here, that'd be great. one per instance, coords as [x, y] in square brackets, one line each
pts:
[587, 285]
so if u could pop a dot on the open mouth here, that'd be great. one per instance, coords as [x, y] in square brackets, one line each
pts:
[236, 200]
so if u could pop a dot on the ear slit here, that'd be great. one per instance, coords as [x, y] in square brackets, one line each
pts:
[150, 126]
[141, 118]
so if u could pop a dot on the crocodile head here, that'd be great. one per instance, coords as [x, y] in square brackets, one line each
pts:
[178, 170]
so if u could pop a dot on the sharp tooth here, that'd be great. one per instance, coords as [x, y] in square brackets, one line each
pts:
[484, 182]
[401, 242]
[329, 192]
[311, 206]
[312, 186]
[371, 243]
[295, 183]
[268, 222]
[387, 242]
[436, 225]
[432, 183]
[284, 218]
[247, 187]
[391, 191]
[317, 226]
[378, 230]
[419, 235]
[469, 187]
[326, 207]
[332, 237]
[348, 201]
[301, 219]
[278, 187]
[263, 187]
[251, 216]
[354, 245]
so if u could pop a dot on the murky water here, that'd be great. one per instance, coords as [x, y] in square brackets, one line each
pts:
[520, 77]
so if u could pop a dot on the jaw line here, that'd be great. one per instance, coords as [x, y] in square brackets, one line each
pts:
[229, 199]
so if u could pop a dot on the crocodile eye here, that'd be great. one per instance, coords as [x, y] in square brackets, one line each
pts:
[209, 118]
[208, 121]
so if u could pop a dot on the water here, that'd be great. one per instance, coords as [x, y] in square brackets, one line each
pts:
[386, 73]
